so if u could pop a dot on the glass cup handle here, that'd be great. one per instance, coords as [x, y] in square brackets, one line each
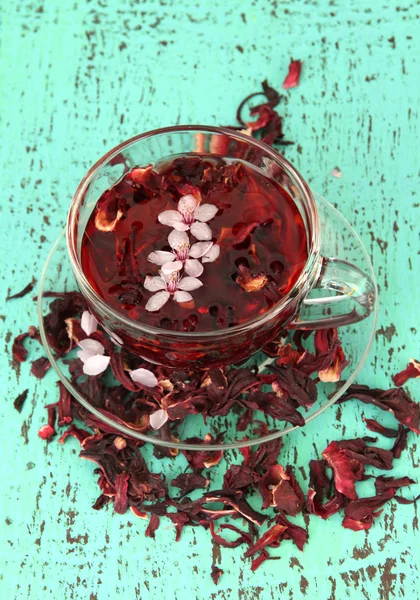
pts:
[342, 295]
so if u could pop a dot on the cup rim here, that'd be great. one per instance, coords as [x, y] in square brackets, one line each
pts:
[299, 289]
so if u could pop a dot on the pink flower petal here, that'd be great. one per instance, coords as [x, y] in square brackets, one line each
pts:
[144, 376]
[160, 257]
[182, 296]
[95, 365]
[157, 301]
[205, 212]
[158, 418]
[88, 323]
[154, 284]
[201, 231]
[178, 239]
[212, 254]
[336, 172]
[189, 283]
[181, 226]
[200, 249]
[169, 217]
[193, 267]
[92, 346]
[84, 355]
[186, 206]
[169, 268]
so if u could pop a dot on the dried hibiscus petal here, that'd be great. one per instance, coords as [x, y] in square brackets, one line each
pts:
[332, 506]
[368, 455]
[179, 519]
[275, 407]
[240, 477]
[244, 538]
[279, 488]
[64, 406]
[400, 442]
[108, 211]
[411, 372]
[376, 427]
[272, 537]
[76, 432]
[395, 400]
[40, 367]
[346, 470]
[297, 534]
[152, 526]
[383, 483]
[249, 282]
[187, 482]
[318, 479]
[292, 77]
[360, 513]
[299, 386]
[202, 459]
[26, 290]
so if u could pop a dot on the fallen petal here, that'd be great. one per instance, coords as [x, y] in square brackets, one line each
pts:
[95, 365]
[88, 323]
[205, 212]
[193, 267]
[189, 283]
[157, 301]
[201, 231]
[160, 257]
[144, 376]
[158, 418]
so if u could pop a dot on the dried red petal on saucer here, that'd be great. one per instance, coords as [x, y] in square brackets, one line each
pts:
[240, 477]
[411, 372]
[395, 400]
[76, 432]
[293, 76]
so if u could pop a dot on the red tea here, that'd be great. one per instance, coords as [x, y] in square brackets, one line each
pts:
[231, 228]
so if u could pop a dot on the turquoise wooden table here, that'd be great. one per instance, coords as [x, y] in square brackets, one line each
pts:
[79, 77]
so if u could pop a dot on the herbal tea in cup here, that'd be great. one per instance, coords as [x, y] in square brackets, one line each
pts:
[199, 257]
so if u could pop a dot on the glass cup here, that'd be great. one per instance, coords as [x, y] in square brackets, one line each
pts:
[341, 294]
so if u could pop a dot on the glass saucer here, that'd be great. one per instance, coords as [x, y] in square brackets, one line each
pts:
[338, 239]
